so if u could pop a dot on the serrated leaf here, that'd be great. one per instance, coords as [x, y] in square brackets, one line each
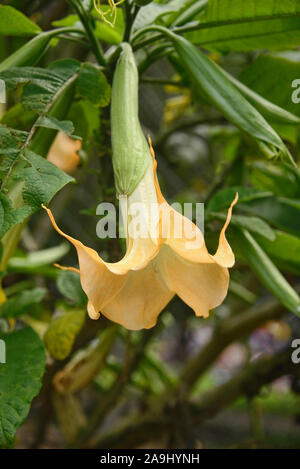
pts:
[10, 216]
[52, 123]
[42, 180]
[22, 302]
[10, 142]
[93, 85]
[14, 23]
[62, 332]
[68, 283]
[20, 380]
[42, 84]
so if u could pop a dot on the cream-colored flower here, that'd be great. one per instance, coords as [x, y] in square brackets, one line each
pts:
[64, 152]
[133, 291]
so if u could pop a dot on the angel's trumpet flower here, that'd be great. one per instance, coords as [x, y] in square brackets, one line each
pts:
[64, 152]
[168, 255]
[133, 291]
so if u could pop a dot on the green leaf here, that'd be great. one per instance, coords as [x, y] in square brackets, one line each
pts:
[68, 283]
[35, 259]
[30, 53]
[67, 21]
[284, 250]
[242, 292]
[253, 224]
[283, 213]
[22, 302]
[107, 33]
[156, 12]
[266, 271]
[245, 25]
[86, 363]
[10, 216]
[219, 90]
[259, 77]
[14, 23]
[20, 380]
[223, 198]
[42, 85]
[272, 112]
[62, 332]
[42, 180]
[86, 119]
[49, 122]
[276, 178]
[10, 142]
[19, 117]
[93, 85]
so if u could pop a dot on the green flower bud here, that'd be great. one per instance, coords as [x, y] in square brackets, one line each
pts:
[131, 154]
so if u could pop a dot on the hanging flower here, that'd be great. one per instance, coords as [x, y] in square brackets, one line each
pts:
[157, 265]
[64, 153]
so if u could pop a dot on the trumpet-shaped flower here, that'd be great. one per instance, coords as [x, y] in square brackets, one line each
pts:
[64, 153]
[158, 263]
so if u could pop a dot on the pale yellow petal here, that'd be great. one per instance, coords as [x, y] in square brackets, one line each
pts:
[63, 152]
[98, 281]
[224, 255]
[202, 286]
[142, 298]
[182, 235]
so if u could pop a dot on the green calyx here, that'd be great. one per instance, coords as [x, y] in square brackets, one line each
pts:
[131, 154]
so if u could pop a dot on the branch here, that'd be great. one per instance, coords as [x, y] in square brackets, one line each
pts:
[230, 330]
[137, 430]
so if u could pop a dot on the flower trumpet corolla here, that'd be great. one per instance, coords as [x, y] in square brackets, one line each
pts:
[64, 152]
[157, 265]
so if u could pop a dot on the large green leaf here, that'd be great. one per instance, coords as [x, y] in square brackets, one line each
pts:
[42, 85]
[259, 76]
[20, 380]
[42, 180]
[211, 81]
[245, 25]
[93, 85]
[14, 23]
